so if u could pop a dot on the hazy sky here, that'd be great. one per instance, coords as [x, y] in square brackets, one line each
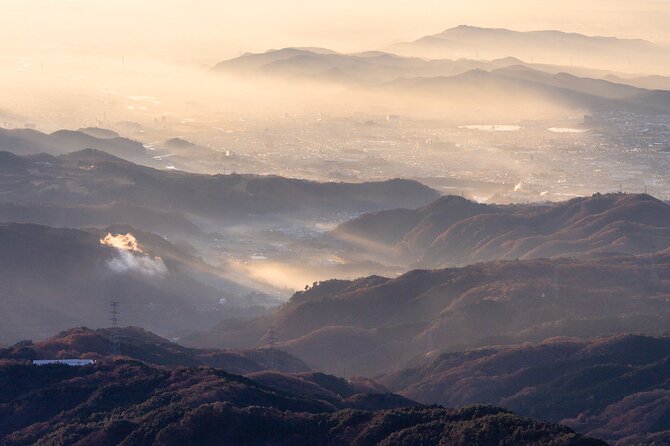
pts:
[204, 31]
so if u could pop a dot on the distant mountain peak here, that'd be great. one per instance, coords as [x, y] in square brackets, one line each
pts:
[462, 29]
[544, 46]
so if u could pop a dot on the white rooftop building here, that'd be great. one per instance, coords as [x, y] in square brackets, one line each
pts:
[70, 362]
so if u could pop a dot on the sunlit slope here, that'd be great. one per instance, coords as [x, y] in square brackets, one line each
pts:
[457, 231]
[57, 278]
[370, 325]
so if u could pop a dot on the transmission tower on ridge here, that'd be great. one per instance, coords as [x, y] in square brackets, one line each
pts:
[115, 344]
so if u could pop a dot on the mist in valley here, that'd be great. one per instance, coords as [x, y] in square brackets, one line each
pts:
[495, 126]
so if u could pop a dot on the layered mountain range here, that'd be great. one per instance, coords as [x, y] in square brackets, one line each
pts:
[54, 278]
[91, 187]
[457, 231]
[126, 401]
[372, 324]
[544, 46]
[33, 142]
[137, 343]
[507, 81]
[614, 388]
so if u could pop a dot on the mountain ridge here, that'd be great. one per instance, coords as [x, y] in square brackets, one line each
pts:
[121, 400]
[383, 72]
[372, 324]
[548, 46]
[94, 178]
[601, 387]
[456, 231]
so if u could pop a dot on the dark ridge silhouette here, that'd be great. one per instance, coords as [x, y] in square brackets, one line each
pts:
[133, 403]
[166, 222]
[456, 231]
[94, 178]
[614, 388]
[136, 343]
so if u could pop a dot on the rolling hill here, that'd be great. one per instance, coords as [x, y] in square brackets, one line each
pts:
[135, 404]
[456, 231]
[166, 222]
[90, 178]
[506, 82]
[365, 68]
[512, 89]
[33, 142]
[163, 399]
[614, 388]
[139, 344]
[370, 325]
[378, 66]
[56, 278]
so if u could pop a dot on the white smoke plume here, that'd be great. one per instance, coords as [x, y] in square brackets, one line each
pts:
[126, 242]
[130, 257]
